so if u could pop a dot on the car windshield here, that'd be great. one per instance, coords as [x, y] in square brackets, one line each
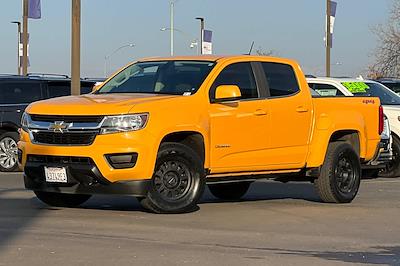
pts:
[386, 96]
[161, 77]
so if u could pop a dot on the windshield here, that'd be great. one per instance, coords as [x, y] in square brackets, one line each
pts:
[386, 96]
[161, 77]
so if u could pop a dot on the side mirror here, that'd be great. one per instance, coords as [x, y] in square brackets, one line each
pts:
[227, 93]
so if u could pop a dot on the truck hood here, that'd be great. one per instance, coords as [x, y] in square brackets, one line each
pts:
[93, 104]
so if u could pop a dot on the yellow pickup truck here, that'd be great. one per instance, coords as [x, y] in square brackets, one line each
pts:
[161, 129]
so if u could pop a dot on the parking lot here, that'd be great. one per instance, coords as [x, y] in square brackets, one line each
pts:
[276, 224]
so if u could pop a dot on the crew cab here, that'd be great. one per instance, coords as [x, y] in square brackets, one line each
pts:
[391, 106]
[161, 128]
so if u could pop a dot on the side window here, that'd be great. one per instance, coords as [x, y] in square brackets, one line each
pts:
[20, 92]
[327, 90]
[58, 89]
[281, 79]
[86, 87]
[240, 74]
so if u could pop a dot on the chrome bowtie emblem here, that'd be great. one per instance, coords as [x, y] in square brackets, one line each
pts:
[59, 126]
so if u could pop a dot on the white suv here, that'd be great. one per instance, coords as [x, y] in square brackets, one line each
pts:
[336, 87]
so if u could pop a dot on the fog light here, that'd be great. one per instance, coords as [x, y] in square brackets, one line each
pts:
[122, 160]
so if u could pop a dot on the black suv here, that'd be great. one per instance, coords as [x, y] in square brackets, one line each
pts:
[16, 93]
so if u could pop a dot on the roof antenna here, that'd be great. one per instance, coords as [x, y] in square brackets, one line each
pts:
[251, 48]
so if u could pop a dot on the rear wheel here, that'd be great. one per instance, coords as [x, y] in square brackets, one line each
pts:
[393, 167]
[229, 191]
[9, 152]
[340, 176]
[61, 199]
[178, 180]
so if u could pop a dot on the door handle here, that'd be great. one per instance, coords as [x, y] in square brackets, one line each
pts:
[260, 112]
[301, 109]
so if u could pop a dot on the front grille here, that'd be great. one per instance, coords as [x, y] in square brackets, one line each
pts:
[67, 138]
[47, 159]
[67, 118]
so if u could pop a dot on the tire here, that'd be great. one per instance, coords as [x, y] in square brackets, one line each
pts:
[229, 191]
[9, 152]
[340, 176]
[178, 181]
[61, 199]
[393, 168]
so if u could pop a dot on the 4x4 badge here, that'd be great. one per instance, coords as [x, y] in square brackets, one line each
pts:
[59, 126]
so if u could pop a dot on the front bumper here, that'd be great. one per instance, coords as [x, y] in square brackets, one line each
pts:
[83, 178]
[142, 143]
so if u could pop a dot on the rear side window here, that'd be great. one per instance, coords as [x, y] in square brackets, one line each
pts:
[59, 89]
[241, 75]
[20, 92]
[281, 79]
[393, 86]
[326, 90]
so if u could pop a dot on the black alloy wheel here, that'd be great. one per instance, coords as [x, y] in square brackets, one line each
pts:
[340, 175]
[345, 174]
[178, 180]
[172, 180]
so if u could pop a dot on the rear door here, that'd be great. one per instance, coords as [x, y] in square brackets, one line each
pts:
[15, 96]
[239, 130]
[290, 117]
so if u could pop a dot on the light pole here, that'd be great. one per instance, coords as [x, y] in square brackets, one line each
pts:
[19, 41]
[25, 38]
[201, 33]
[193, 40]
[115, 51]
[328, 38]
[76, 47]
[171, 9]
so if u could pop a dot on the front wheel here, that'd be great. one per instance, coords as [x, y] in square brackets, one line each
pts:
[178, 180]
[340, 176]
[62, 200]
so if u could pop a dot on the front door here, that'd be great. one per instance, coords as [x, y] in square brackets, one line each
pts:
[239, 130]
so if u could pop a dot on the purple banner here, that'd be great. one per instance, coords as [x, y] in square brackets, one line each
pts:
[34, 10]
[333, 8]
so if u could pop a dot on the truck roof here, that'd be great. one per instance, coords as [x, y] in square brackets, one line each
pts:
[213, 58]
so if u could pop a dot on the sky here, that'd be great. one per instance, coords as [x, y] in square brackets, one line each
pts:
[290, 28]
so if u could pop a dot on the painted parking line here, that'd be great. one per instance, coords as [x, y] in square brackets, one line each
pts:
[382, 181]
[10, 173]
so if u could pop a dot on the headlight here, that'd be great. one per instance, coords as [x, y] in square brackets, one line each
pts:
[25, 121]
[123, 123]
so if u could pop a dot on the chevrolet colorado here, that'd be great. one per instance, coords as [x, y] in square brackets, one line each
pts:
[161, 128]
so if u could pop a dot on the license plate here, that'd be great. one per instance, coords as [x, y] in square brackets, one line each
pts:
[56, 174]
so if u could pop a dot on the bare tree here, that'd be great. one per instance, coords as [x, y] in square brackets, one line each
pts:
[261, 51]
[387, 54]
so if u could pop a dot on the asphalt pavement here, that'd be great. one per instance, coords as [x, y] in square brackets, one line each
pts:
[275, 224]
